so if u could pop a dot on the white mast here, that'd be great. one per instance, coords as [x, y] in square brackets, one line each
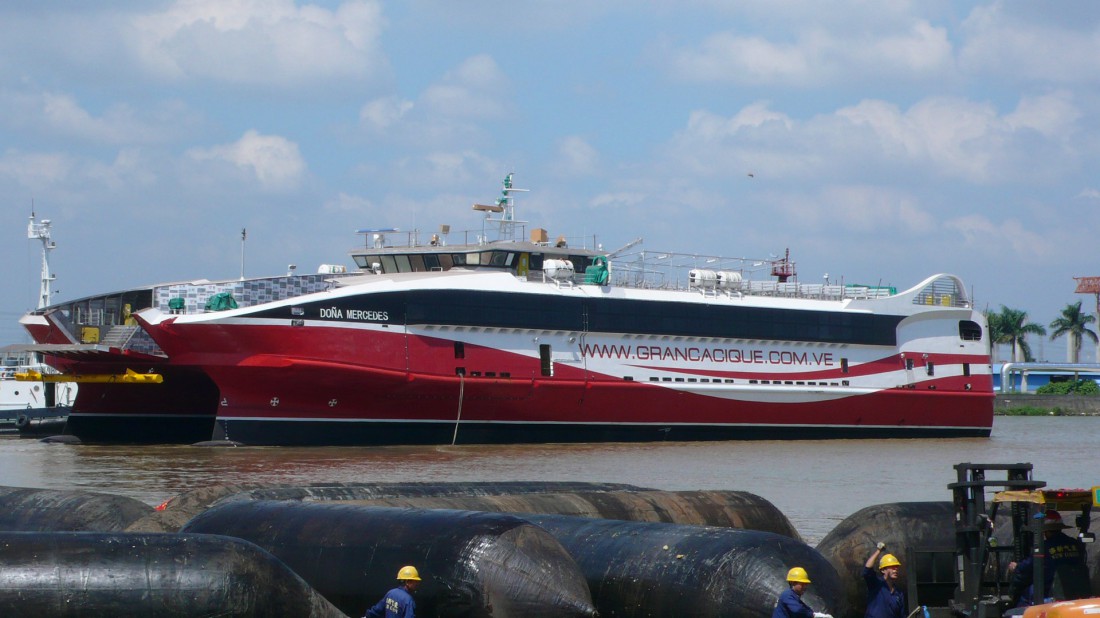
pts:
[508, 217]
[505, 206]
[41, 231]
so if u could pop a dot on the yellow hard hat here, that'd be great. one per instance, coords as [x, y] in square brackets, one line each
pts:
[408, 573]
[888, 561]
[798, 574]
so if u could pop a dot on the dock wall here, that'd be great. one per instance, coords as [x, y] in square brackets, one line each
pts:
[1070, 405]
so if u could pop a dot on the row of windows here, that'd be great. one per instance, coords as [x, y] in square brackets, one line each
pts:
[553, 313]
[423, 262]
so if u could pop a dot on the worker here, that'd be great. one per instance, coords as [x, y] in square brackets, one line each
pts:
[398, 602]
[1060, 552]
[790, 603]
[884, 598]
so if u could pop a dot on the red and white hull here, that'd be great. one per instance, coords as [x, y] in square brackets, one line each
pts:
[484, 357]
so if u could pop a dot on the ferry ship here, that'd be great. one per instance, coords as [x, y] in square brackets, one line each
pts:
[533, 341]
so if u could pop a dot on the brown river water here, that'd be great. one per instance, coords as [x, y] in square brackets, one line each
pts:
[815, 483]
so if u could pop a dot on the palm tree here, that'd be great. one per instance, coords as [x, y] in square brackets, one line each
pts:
[1076, 325]
[1012, 328]
[996, 333]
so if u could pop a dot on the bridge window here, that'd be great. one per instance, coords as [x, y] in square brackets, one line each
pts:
[970, 330]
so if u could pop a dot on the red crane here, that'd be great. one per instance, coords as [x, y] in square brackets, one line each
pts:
[1089, 285]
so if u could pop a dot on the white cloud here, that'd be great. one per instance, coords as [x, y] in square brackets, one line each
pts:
[382, 113]
[1018, 47]
[35, 170]
[620, 199]
[344, 202]
[474, 89]
[576, 156]
[1090, 193]
[946, 137]
[815, 56]
[61, 115]
[449, 114]
[1053, 115]
[859, 208]
[272, 42]
[1009, 237]
[272, 160]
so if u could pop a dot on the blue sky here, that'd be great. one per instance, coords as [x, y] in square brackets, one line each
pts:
[887, 140]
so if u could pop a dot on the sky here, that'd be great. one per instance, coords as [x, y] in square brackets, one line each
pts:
[881, 141]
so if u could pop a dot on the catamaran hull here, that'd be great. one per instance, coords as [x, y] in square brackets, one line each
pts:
[496, 396]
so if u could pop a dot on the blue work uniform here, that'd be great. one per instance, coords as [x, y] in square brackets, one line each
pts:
[881, 601]
[790, 605]
[1060, 549]
[397, 603]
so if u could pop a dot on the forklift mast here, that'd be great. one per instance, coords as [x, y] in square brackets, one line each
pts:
[983, 586]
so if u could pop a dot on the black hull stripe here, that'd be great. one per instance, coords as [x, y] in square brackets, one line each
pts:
[473, 308]
[138, 429]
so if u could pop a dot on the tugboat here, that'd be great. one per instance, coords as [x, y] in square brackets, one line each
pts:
[30, 402]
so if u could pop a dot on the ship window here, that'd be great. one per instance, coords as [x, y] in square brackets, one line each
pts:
[535, 262]
[628, 378]
[389, 265]
[966, 369]
[403, 265]
[930, 367]
[460, 371]
[459, 259]
[460, 350]
[364, 261]
[498, 258]
[547, 363]
[446, 261]
[473, 259]
[909, 364]
[431, 261]
[490, 374]
[654, 379]
[505, 374]
[970, 330]
[843, 365]
[417, 263]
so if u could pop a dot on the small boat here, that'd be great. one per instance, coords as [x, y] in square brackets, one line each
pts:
[31, 407]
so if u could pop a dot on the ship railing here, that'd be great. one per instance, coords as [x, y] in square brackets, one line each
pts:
[670, 271]
[944, 291]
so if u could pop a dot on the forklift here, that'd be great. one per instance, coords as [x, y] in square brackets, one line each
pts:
[972, 579]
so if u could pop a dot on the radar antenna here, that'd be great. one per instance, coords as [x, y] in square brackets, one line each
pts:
[40, 230]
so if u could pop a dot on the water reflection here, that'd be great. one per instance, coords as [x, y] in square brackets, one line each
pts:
[816, 483]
